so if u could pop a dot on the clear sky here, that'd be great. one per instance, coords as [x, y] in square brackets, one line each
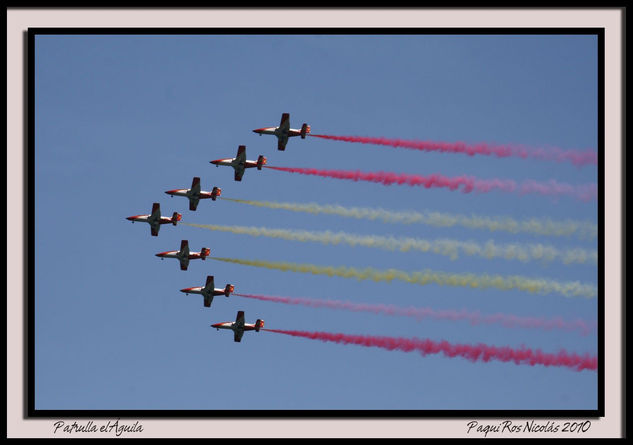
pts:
[121, 119]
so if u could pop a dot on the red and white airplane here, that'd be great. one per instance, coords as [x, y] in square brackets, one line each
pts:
[183, 255]
[283, 131]
[209, 291]
[240, 163]
[239, 326]
[155, 220]
[194, 194]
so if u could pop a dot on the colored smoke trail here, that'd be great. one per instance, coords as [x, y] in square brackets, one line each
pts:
[474, 353]
[513, 282]
[447, 247]
[466, 184]
[536, 226]
[475, 318]
[576, 157]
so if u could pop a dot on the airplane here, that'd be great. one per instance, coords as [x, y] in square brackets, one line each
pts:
[183, 255]
[155, 220]
[209, 291]
[240, 163]
[194, 194]
[239, 326]
[283, 131]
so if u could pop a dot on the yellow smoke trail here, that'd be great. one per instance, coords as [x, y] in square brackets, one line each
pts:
[446, 247]
[536, 226]
[485, 281]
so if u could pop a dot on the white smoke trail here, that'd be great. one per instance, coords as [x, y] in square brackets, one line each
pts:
[446, 247]
[536, 226]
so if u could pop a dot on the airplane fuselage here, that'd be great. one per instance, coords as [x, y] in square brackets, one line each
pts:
[279, 132]
[170, 254]
[177, 254]
[269, 130]
[234, 326]
[139, 218]
[148, 219]
[232, 162]
[187, 193]
[200, 290]
[183, 192]
[225, 325]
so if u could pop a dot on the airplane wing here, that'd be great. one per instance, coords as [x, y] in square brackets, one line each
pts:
[184, 254]
[195, 186]
[240, 162]
[281, 142]
[208, 299]
[238, 326]
[241, 154]
[239, 320]
[155, 216]
[155, 211]
[155, 229]
[210, 285]
[284, 125]
[193, 203]
[239, 172]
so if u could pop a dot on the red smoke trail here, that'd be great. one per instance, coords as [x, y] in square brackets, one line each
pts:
[479, 352]
[576, 157]
[467, 183]
[510, 321]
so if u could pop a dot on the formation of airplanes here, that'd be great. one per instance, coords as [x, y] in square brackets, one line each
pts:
[194, 194]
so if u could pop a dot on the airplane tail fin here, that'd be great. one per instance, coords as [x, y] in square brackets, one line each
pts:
[228, 289]
[175, 218]
[259, 324]
[217, 191]
[305, 129]
[261, 161]
[204, 253]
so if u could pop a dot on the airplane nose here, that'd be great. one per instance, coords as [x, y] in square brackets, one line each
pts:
[130, 218]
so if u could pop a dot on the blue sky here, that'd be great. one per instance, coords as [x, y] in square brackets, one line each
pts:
[121, 119]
